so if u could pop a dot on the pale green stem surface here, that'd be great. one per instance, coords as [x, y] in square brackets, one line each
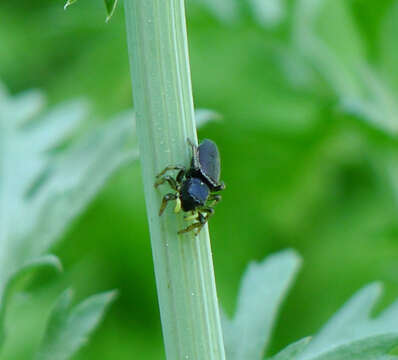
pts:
[163, 102]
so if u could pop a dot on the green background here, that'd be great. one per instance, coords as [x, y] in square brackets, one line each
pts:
[301, 170]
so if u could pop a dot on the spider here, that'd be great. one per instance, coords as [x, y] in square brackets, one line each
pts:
[195, 188]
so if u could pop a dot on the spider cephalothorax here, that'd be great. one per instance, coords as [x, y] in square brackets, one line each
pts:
[195, 187]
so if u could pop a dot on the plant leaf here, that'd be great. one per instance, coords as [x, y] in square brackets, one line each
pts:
[326, 34]
[224, 10]
[268, 13]
[44, 261]
[68, 329]
[351, 333]
[68, 3]
[353, 323]
[110, 6]
[318, 33]
[70, 184]
[203, 116]
[263, 288]
[293, 350]
[372, 348]
[389, 46]
[48, 190]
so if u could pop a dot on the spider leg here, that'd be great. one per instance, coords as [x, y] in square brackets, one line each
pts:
[213, 199]
[202, 220]
[208, 210]
[193, 216]
[169, 168]
[196, 215]
[190, 228]
[172, 182]
[219, 187]
[165, 200]
[180, 176]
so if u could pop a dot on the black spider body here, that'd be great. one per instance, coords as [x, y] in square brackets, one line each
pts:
[195, 187]
[193, 193]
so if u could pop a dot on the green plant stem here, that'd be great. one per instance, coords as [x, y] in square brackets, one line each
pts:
[165, 119]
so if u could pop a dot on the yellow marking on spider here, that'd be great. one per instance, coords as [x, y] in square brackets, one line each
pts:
[193, 216]
[177, 208]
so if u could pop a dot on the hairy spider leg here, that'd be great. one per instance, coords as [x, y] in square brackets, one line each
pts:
[202, 220]
[180, 175]
[165, 200]
[171, 167]
[209, 211]
[213, 199]
[172, 182]
[219, 187]
[192, 216]
[191, 227]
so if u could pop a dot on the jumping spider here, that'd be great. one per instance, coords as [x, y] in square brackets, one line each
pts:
[195, 188]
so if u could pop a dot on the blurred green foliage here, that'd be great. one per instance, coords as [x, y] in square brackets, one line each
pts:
[308, 144]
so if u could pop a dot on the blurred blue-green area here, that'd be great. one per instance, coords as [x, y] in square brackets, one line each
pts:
[308, 142]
